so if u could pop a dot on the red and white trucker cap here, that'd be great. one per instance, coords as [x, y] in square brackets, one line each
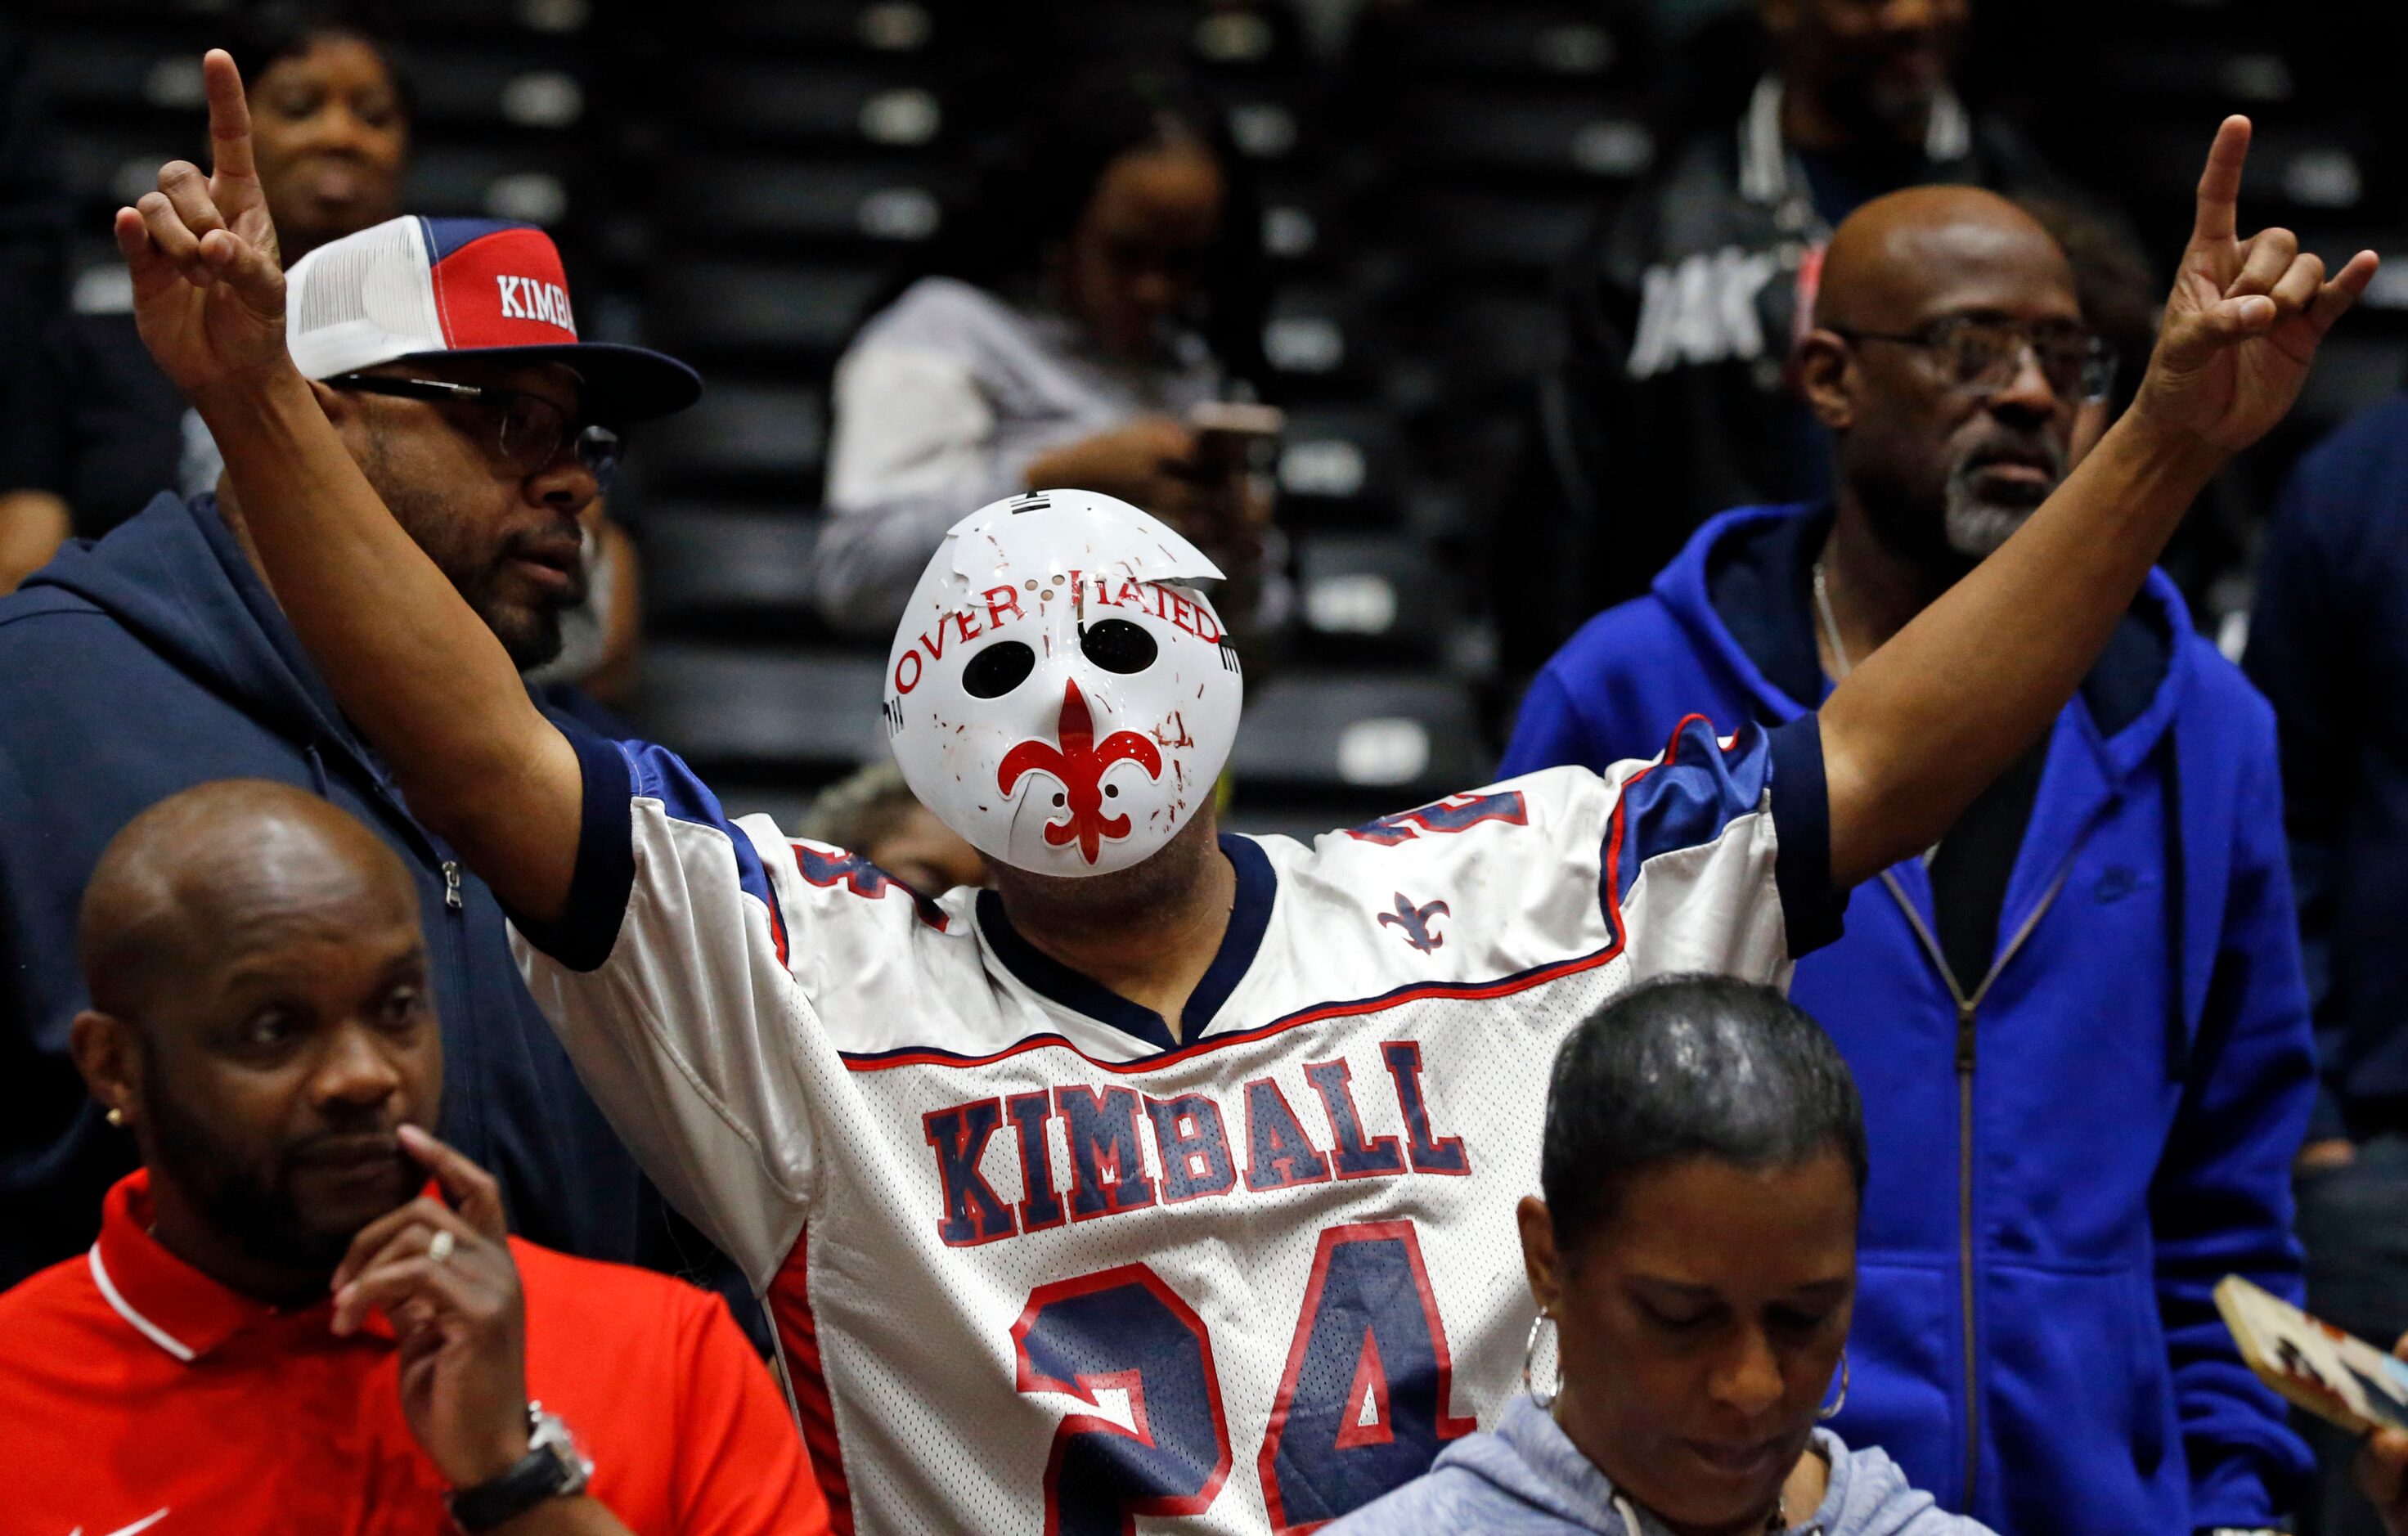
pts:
[415, 287]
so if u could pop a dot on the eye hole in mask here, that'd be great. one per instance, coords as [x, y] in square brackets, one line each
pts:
[998, 669]
[1117, 645]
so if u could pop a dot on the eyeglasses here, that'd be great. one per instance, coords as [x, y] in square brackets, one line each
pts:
[529, 430]
[1982, 356]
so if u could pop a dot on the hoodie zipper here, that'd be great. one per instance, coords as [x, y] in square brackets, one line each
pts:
[1967, 1057]
[452, 884]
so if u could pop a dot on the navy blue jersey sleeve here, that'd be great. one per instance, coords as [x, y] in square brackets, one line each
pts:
[588, 926]
[1812, 909]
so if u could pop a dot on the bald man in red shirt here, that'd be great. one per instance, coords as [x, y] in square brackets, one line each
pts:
[304, 1313]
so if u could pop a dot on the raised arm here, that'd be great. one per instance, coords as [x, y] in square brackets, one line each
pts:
[1917, 731]
[408, 660]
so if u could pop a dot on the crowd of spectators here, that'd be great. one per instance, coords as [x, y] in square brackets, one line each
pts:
[1624, 363]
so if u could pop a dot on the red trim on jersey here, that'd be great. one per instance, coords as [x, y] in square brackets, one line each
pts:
[1371, 1380]
[799, 1336]
[777, 924]
[1474, 991]
[874, 1061]
[1448, 1427]
[1470, 991]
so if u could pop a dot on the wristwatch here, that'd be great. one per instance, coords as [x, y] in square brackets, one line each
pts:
[553, 1469]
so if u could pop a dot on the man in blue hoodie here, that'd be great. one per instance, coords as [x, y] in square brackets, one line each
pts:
[2328, 642]
[2078, 1022]
[158, 658]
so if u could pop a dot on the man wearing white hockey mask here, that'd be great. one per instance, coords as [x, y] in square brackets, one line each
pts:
[1059, 691]
[1176, 1195]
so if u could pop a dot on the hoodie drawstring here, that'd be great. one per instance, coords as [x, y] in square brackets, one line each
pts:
[318, 782]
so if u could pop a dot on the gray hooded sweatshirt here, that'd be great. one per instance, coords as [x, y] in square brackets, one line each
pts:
[1526, 1478]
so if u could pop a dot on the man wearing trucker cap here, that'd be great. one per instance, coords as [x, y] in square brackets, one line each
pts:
[445, 352]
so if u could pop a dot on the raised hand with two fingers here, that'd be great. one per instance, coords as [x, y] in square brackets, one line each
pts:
[2244, 318]
[208, 286]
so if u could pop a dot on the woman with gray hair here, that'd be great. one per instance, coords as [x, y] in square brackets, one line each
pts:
[1695, 1260]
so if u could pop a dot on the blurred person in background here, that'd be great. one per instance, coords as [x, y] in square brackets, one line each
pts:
[1695, 1257]
[94, 431]
[158, 657]
[304, 1311]
[875, 815]
[2329, 645]
[1670, 400]
[2078, 1020]
[1102, 284]
[33, 220]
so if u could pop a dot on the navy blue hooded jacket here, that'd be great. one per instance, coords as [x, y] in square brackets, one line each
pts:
[2053, 1337]
[155, 660]
[2329, 642]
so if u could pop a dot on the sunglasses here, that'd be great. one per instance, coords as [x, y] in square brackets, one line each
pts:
[529, 431]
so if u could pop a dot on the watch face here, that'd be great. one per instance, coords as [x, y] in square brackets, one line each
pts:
[553, 1437]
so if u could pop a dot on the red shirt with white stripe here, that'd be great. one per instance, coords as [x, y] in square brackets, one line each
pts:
[138, 1395]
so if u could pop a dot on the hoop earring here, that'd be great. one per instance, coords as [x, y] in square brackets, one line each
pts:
[1831, 1412]
[1529, 1357]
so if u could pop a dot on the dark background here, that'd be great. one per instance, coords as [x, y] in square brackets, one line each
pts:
[734, 179]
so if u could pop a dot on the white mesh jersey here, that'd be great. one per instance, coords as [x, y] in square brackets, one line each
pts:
[1034, 1264]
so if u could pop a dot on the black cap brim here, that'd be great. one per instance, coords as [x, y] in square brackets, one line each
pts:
[622, 383]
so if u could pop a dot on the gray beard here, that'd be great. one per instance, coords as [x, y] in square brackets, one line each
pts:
[1975, 527]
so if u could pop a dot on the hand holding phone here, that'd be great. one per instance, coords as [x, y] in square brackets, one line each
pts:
[1226, 431]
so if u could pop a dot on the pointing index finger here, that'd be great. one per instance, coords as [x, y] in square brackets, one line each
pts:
[229, 117]
[478, 1194]
[2219, 184]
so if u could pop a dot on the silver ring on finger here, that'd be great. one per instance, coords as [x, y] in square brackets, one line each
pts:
[438, 1250]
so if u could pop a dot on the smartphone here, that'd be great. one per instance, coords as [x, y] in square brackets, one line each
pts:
[2341, 1379]
[1228, 431]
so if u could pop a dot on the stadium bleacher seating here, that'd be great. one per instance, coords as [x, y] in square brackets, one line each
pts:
[812, 147]
[740, 182]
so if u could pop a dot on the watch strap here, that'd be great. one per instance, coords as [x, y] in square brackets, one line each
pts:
[550, 1470]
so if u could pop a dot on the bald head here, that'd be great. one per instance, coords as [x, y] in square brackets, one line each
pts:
[1908, 256]
[1950, 357]
[218, 871]
[262, 1023]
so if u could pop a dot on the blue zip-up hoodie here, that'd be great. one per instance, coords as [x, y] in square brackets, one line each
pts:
[2052, 1339]
[155, 660]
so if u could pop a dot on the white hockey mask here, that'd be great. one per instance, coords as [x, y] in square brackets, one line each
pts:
[1057, 693]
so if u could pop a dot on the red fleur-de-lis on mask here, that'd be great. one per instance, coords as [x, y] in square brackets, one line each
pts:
[1078, 764]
